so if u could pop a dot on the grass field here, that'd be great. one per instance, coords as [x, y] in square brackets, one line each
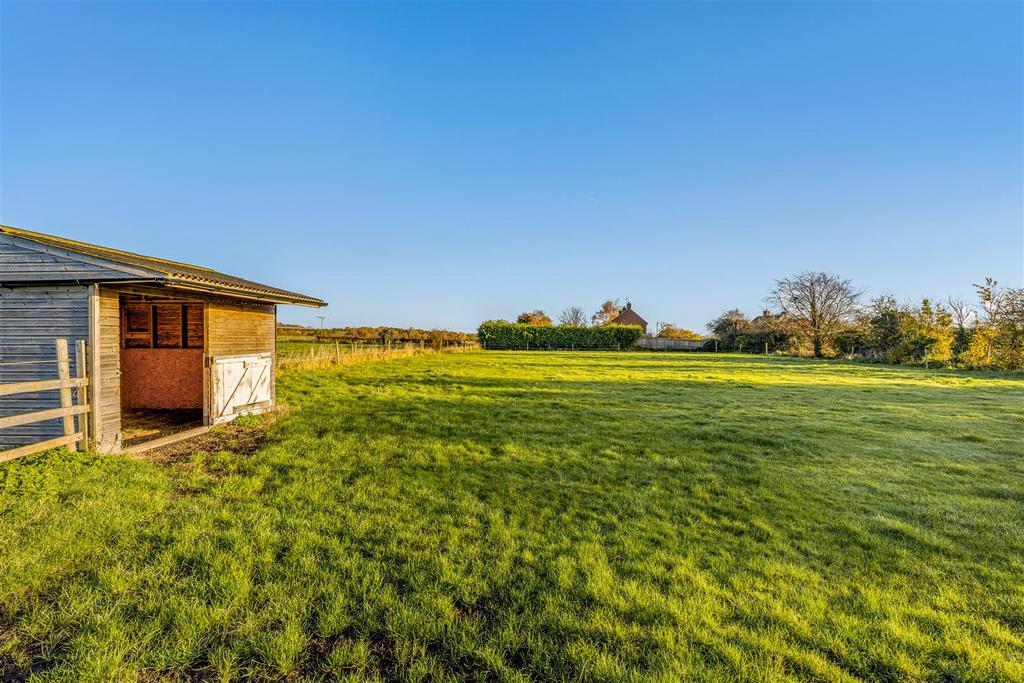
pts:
[544, 516]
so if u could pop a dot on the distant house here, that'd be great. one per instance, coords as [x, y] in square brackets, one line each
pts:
[166, 342]
[767, 317]
[627, 316]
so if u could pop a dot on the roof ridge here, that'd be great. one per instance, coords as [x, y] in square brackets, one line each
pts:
[57, 241]
[163, 269]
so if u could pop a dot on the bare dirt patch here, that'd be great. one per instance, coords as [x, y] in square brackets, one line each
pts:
[243, 437]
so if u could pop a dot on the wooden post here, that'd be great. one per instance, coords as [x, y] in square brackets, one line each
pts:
[716, 346]
[64, 373]
[766, 348]
[95, 390]
[83, 392]
[337, 351]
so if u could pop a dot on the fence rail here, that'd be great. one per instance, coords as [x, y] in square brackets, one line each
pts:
[66, 413]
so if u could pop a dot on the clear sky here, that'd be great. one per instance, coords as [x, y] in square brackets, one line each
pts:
[441, 164]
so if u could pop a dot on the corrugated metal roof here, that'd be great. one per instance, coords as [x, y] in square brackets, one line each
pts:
[171, 272]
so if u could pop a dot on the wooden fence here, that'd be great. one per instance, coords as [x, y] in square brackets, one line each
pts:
[67, 411]
[660, 344]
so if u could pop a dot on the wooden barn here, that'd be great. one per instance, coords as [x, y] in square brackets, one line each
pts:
[168, 346]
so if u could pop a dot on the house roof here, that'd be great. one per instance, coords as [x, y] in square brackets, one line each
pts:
[171, 273]
[627, 316]
[768, 316]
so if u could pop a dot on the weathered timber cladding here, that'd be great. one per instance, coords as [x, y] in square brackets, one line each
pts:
[31, 319]
[24, 264]
[238, 329]
[108, 415]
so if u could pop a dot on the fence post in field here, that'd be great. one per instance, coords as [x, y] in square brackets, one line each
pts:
[83, 392]
[766, 348]
[337, 351]
[716, 346]
[64, 373]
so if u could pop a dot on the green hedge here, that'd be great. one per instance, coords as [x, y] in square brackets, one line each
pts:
[498, 334]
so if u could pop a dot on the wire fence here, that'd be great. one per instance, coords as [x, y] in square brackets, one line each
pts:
[527, 346]
[338, 353]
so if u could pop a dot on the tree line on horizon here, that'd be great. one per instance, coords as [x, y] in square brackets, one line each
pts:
[823, 315]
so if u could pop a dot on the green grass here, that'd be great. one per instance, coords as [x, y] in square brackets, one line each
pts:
[289, 345]
[544, 516]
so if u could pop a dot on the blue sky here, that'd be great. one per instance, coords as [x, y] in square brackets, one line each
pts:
[441, 164]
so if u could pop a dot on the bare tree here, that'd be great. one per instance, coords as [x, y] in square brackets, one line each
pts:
[821, 301]
[574, 316]
[963, 315]
[608, 311]
[993, 298]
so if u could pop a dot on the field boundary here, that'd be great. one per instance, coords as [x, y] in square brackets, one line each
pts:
[326, 355]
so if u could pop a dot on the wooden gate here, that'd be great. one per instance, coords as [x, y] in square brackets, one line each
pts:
[240, 385]
[67, 411]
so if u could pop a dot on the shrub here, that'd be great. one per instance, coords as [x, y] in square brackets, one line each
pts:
[673, 332]
[537, 317]
[498, 334]
[853, 337]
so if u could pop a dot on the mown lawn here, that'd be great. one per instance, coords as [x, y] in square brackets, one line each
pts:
[544, 516]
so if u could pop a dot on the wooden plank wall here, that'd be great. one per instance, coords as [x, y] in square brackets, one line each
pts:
[108, 405]
[31, 319]
[238, 329]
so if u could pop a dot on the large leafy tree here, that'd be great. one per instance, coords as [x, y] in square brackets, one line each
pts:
[729, 324]
[998, 340]
[537, 317]
[821, 301]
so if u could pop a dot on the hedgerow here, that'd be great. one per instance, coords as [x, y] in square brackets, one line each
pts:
[498, 334]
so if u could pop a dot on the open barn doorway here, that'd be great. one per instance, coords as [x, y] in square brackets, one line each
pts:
[161, 358]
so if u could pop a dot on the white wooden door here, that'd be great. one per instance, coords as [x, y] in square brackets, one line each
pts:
[240, 385]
